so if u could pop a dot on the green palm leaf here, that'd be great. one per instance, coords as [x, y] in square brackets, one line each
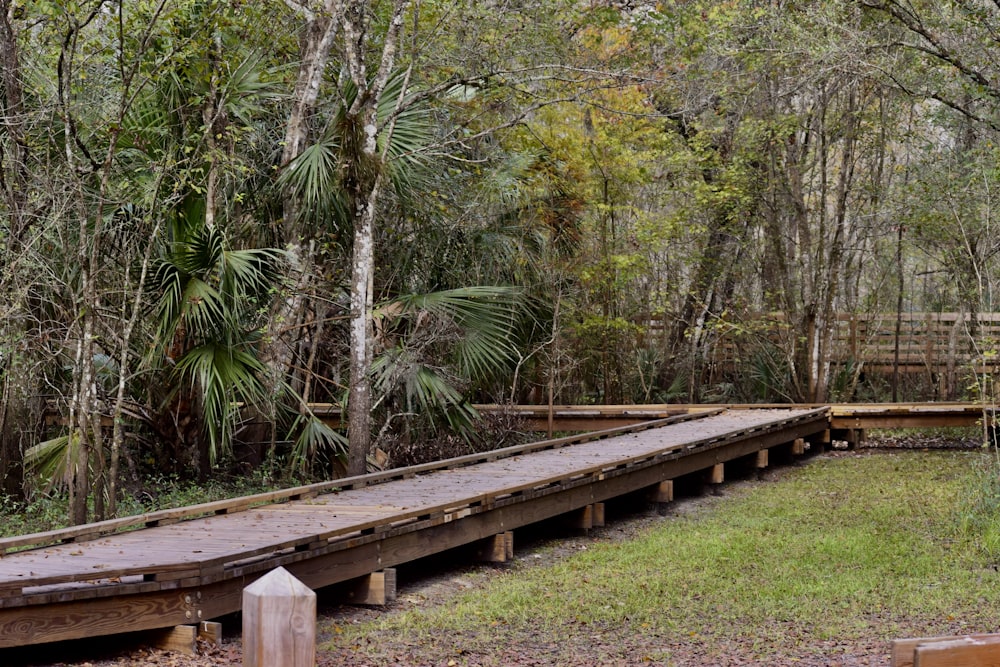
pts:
[225, 376]
[487, 316]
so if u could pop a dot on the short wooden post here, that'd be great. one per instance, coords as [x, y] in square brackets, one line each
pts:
[799, 447]
[718, 474]
[496, 549]
[211, 632]
[583, 518]
[179, 639]
[598, 515]
[661, 493]
[761, 461]
[377, 588]
[855, 437]
[279, 622]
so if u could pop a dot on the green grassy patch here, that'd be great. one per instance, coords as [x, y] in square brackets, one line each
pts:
[851, 548]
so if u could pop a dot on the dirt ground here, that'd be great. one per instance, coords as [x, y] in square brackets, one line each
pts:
[439, 580]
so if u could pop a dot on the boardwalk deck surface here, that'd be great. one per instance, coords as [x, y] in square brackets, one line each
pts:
[195, 569]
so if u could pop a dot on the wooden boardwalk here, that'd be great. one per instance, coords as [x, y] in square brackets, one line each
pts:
[844, 417]
[183, 566]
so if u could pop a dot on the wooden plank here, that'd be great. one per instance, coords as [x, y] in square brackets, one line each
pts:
[961, 652]
[902, 650]
[181, 639]
[92, 618]
[377, 588]
[717, 474]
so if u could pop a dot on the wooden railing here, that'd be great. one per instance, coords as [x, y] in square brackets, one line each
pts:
[926, 341]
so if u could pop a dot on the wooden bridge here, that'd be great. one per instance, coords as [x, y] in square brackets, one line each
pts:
[848, 421]
[179, 567]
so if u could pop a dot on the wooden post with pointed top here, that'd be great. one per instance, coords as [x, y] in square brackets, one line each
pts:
[279, 622]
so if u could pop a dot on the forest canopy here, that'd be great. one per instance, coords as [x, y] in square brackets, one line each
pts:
[217, 214]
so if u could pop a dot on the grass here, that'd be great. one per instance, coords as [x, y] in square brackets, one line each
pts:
[846, 549]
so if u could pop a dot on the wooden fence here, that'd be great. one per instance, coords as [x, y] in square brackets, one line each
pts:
[927, 342]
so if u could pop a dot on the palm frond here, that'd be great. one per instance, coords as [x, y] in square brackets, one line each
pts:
[314, 436]
[487, 315]
[250, 273]
[226, 377]
[49, 461]
[315, 174]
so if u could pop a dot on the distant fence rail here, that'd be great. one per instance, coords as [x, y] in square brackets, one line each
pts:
[926, 341]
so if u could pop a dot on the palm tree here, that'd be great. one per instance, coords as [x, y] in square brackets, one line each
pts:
[208, 316]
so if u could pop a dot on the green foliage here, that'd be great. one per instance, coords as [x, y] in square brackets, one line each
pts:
[980, 512]
[48, 510]
[208, 299]
[472, 329]
[316, 174]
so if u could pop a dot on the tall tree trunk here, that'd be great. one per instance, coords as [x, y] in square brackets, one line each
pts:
[286, 330]
[835, 263]
[363, 184]
[15, 410]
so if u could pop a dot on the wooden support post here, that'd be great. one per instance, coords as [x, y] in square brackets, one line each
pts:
[598, 515]
[855, 436]
[661, 493]
[799, 447]
[962, 652]
[279, 622]
[761, 461]
[717, 475]
[210, 632]
[377, 588]
[903, 652]
[496, 549]
[180, 639]
[583, 518]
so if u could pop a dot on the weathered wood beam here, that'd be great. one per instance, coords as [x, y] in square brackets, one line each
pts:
[903, 651]
[377, 588]
[961, 652]
[181, 639]
[717, 474]
[497, 548]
